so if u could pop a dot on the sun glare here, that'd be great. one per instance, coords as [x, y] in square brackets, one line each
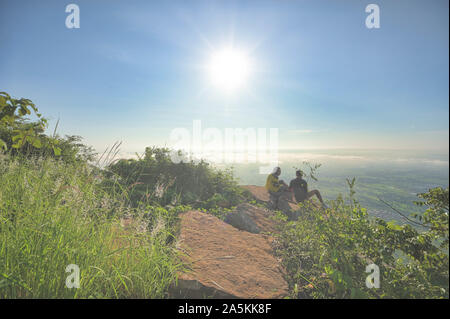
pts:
[229, 69]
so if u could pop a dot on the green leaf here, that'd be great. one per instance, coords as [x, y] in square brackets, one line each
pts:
[56, 150]
[37, 142]
[17, 137]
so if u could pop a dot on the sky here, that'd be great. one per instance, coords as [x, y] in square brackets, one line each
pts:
[136, 70]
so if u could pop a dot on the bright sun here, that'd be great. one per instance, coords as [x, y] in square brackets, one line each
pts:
[229, 69]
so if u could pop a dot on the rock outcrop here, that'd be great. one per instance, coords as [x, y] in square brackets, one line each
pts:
[286, 203]
[259, 193]
[225, 262]
[251, 218]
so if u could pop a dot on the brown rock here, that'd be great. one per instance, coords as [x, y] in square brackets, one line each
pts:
[258, 192]
[285, 203]
[226, 262]
[251, 218]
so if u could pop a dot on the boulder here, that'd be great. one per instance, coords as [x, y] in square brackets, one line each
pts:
[242, 221]
[286, 203]
[251, 218]
[224, 262]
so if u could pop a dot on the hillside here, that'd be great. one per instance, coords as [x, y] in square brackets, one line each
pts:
[152, 228]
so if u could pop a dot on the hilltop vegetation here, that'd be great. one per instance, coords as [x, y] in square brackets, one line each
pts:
[118, 223]
[155, 179]
[58, 207]
[326, 254]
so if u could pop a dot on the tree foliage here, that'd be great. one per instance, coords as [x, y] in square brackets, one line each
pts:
[21, 135]
[12, 113]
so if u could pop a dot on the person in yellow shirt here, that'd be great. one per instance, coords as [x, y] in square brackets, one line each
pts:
[276, 187]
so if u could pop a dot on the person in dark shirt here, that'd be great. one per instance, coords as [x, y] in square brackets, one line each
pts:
[300, 188]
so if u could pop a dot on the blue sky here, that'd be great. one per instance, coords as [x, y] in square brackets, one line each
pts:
[135, 70]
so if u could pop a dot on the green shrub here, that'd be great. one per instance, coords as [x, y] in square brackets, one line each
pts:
[326, 253]
[156, 179]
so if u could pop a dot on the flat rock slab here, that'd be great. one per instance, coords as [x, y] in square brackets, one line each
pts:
[226, 262]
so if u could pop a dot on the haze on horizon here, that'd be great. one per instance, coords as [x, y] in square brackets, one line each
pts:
[136, 70]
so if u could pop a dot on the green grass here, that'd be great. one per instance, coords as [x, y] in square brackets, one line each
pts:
[53, 214]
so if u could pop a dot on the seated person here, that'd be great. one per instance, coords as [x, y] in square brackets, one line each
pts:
[276, 187]
[300, 189]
